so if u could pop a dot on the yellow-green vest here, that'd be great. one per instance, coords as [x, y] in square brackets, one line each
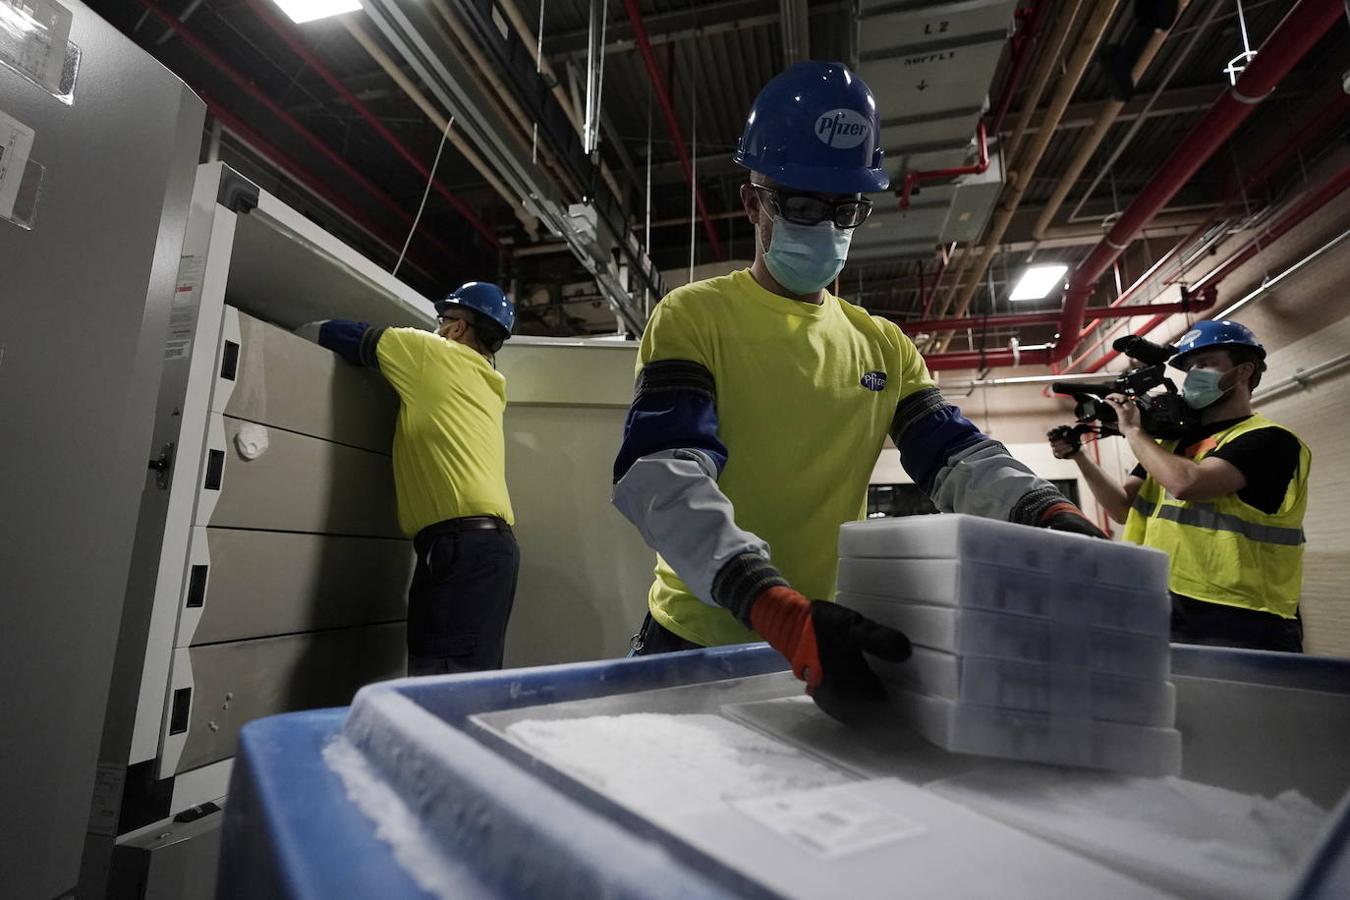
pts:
[1222, 550]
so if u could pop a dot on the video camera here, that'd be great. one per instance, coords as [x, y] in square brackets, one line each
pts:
[1162, 414]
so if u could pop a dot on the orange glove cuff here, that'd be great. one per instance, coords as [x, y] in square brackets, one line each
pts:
[782, 617]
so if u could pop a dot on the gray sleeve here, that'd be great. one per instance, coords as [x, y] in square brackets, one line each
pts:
[985, 480]
[962, 469]
[673, 498]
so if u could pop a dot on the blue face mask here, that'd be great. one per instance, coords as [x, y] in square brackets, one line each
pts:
[1201, 388]
[805, 258]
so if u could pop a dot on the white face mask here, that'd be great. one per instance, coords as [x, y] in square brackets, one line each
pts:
[805, 258]
[1202, 388]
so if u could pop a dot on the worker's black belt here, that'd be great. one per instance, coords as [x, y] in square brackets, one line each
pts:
[464, 523]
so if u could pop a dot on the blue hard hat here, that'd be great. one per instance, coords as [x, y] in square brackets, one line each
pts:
[814, 127]
[1215, 333]
[482, 297]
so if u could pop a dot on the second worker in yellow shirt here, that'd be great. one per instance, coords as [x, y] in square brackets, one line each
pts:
[449, 473]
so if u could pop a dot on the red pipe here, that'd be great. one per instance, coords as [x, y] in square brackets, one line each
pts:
[1291, 40]
[284, 32]
[978, 168]
[1021, 48]
[1021, 44]
[233, 74]
[1317, 123]
[1295, 216]
[1328, 115]
[306, 177]
[672, 124]
[931, 294]
[1043, 318]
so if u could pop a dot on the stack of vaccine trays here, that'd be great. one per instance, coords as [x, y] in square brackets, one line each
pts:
[1029, 644]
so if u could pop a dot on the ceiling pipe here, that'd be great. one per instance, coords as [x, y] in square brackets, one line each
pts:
[672, 123]
[1297, 214]
[1023, 320]
[517, 115]
[1088, 144]
[434, 115]
[1020, 172]
[1319, 122]
[527, 37]
[1023, 43]
[239, 79]
[287, 35]
[1291, 40]
[1047, 65]
[977, 168]
[321, 189]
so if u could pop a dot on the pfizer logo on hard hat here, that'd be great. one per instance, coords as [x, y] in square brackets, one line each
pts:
[1190, 336]
[842, 128]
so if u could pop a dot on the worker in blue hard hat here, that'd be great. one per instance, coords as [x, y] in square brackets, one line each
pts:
[1225, 501]
[449, 472]
[763, 401]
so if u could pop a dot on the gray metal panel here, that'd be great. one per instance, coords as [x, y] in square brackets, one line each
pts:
[888, 227]
[932, 82]
[1263, 739]
[973, 204]
[77, 394]
[261, 583]
[930, 24]
[287, 270]
[902, 134]
[302, 483]
[291, 383]
[169, 861]
[237, 682]
[582, 590]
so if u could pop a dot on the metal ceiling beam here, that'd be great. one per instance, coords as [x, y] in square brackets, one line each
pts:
[701, 19]
[795, 25]
[417, 40]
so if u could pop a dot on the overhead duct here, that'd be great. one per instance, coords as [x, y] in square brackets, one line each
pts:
[599, 235]
[931, 65]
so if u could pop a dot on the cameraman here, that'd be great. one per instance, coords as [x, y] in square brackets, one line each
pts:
[1226, 501]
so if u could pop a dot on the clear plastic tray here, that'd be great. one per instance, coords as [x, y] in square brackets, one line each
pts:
[1034, 687]
[976, 539]
[1038, 737]
[974, 632]
[979, 585]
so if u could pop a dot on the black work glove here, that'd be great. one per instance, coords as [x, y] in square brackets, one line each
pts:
[1064, 516]
[825, 644]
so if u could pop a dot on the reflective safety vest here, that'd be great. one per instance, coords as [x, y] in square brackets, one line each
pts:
[1223, 550]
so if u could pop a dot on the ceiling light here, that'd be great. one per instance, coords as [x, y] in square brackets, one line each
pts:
[1037, 281]
[302, 11]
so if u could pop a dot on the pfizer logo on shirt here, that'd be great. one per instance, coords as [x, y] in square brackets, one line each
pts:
[873, 381]
[1189, 336]
[842, 128]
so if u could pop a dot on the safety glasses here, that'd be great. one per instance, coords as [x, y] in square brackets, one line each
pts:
[805, 209]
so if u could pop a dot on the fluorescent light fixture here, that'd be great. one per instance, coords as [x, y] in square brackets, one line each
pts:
[1037, 281]
[302, 11]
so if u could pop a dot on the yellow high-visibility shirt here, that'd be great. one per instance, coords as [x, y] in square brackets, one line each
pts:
[449, 449]
[805, 396]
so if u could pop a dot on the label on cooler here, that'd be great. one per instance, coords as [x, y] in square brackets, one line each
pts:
[832, 821]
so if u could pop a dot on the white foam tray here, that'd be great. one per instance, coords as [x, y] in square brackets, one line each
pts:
[976, 632]
[979, 585]
[975, 539]
[1038, 737]
[1032, 687]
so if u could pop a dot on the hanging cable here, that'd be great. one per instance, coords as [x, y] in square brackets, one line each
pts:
[431, 177]
[538, 68]
[647, 232]
[693, 145]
